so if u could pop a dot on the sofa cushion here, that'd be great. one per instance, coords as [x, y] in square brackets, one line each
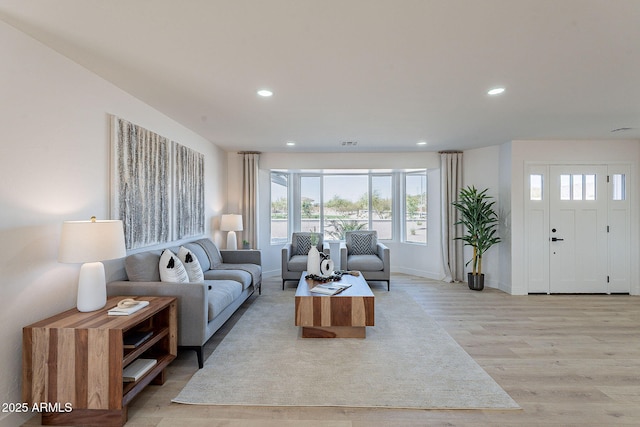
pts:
[221, 293]
[242, 277]
[191, 264]
[171, 268]
[297, 263]
[365, 263]
[199, 252]
[212, 251]
[143, 266]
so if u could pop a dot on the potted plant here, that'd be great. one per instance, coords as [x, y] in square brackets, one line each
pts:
[245, 244]
[480, 220]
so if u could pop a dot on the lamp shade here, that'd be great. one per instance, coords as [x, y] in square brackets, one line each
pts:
[90, 241]
[231, 222]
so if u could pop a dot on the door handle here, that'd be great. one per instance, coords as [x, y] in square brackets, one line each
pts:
[556, 239]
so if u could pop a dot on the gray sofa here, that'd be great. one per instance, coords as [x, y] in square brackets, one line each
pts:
[230, 278]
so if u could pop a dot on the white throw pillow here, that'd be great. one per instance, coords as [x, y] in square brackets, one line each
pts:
[191, 264]
[171, 268]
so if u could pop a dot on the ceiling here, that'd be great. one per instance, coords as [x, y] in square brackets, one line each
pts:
[383, 73]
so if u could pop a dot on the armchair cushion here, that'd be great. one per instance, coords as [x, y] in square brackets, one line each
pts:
[361, 242]
[301, 243]
[365, 263]
[298, 263]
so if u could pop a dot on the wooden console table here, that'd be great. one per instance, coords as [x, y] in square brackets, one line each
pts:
[72, 362]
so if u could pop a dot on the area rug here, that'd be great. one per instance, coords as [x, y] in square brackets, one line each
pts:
[406, 361]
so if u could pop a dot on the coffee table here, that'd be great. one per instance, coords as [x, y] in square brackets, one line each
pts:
[345, 315]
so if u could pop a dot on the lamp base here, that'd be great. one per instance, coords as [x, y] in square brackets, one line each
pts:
[92, 287]
[232, 242]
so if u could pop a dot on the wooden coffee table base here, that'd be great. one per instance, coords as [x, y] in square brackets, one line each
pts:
[334, 332]
[345, 315]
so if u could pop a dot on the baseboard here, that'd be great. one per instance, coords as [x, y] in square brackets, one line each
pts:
[419, 273]
[271, 273]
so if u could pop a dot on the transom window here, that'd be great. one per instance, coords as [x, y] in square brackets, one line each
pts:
[578, 187]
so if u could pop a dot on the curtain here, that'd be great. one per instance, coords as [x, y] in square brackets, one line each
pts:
[249, 203]
[451, 184]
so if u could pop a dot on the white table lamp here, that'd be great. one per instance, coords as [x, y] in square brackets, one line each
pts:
[91, 242]
[231, 223]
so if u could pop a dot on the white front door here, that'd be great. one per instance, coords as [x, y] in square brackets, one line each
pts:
[578, 229]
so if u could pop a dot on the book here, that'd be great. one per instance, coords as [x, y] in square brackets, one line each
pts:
[134, 339]
[137, 369]
[329, 288]
[125, 311]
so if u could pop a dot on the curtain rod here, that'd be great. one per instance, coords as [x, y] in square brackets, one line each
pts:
[249, 152]
[450, 152]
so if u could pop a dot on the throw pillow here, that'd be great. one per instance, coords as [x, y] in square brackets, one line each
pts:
[362, 244]
[171, 268]
[191, 264]
[303, 244]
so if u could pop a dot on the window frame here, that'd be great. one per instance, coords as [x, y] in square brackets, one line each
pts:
[398, 200]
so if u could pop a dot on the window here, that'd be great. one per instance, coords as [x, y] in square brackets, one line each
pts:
[578, 187]
[382, 206]
[619, 190]
[346, 205]
[279, 207]
[415, 207]
[535, 187]
[333, 203]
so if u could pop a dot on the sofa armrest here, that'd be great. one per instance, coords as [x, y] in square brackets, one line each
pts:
[230, 256]
[193, 311]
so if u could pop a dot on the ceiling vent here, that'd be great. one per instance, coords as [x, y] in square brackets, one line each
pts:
[349, 143]
[621, 130]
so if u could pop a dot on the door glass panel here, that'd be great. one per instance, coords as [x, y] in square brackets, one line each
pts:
[577, 187]
[565, 187]
[589, 187]
[619, 189]
[535, 187]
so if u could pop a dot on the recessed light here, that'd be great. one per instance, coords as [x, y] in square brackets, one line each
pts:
[496, 91]
[291, 143]
[265, 92]
[421, 143]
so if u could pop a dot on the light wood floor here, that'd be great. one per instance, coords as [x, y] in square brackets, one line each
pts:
[566, 360]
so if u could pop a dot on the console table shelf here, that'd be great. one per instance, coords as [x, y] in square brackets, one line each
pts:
[76, 359]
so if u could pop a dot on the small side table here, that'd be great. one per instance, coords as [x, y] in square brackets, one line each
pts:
[73, 362]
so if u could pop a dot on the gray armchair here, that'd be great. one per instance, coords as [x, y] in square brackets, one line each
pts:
[362, 251]
[294, 255]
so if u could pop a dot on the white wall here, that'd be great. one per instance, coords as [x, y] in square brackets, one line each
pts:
[54, 166]
[570, 152]
[481, 168]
